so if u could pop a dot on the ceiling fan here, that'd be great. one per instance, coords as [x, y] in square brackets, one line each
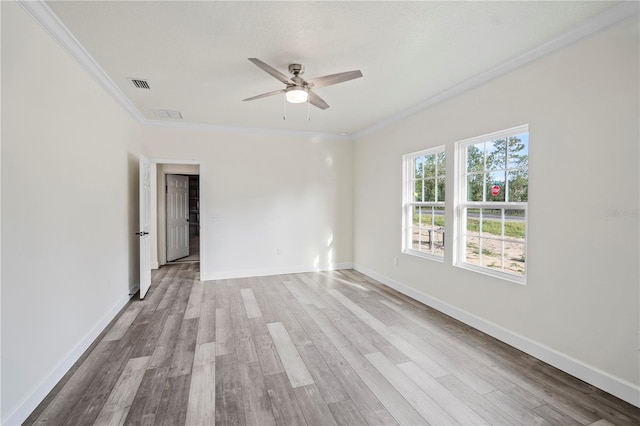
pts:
[297, 89]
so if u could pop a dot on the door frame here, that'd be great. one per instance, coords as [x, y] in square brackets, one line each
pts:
[156, 202]
[186, 203]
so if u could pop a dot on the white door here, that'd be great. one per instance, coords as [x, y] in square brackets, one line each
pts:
[177, 217]
[145, 226]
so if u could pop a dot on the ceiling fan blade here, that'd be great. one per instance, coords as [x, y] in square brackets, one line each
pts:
[264, 95]
[332, 79]
[317, 101]
[274, 72]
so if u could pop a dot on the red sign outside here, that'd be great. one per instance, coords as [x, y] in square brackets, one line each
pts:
[495, 190]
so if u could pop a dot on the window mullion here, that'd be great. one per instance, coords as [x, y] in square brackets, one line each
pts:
[502, 214]
[480, 239]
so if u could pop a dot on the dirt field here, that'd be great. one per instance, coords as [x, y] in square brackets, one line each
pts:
[514, 252]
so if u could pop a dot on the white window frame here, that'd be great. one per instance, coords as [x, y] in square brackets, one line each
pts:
[461, 206]
[408, 203]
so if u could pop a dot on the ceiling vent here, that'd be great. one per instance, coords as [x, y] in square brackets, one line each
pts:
[139, 83]
[166, 113]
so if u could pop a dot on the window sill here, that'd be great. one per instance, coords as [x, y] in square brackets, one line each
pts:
[424, 255]
[496, 274]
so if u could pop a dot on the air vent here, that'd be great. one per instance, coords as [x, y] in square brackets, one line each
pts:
[166, 113]
[139, 83]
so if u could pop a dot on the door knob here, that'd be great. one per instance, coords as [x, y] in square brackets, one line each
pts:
[142, 233]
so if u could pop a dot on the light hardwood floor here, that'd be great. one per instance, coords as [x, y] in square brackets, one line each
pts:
[321, 348]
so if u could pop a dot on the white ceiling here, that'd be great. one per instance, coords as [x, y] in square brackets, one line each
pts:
[194, 54]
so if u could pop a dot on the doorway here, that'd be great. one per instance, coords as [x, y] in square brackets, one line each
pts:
[182, 218]
[190, 169]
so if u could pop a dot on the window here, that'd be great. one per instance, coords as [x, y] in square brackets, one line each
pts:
[491, 213]
[423, 203]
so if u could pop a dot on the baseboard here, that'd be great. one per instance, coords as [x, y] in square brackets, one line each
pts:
[155, 265]
[225, 275]
[616, 386]
[31, 401]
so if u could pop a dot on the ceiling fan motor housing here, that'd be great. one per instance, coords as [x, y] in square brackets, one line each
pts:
[296, 69]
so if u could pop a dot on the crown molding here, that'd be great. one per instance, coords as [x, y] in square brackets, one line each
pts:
[242, 129]
[51, 23]
[615, 15]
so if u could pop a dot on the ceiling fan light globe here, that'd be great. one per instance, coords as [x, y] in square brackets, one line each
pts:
[297, 95]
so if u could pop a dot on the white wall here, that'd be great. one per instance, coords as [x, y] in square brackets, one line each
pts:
[269, 204]
[69, 211]
[582, 298]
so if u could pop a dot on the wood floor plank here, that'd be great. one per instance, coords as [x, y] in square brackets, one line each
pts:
[370, 407]
[554, 416]
[259, 286]
[256, 402]
[293, 364]
[265, 348]
[441, 395]
[250, 303]
[181, 297]
[195, 300]
[616, 404]
[388, 395]
[169, 296]
[515, 409]
[361, 341]
[299, 294]
[237, 310]
[97, 391]
[224, 332]
[208, 291]
[58, 409]
[124, 322]
[172, 409]
[146, 402]
[322, 374]
[222, 294]
[202, 391]
[419, 400]
[245, 349]
[408, 349]
[601, 422]
[207, 322]
[286, 409]
[229, 395]
[385, 347]
[117, 407]
[485, 408]
[182, 361]
[146, 345]
[327, 327]
[314, 407]
[306, 292]
[438, 363]
[346, 413]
